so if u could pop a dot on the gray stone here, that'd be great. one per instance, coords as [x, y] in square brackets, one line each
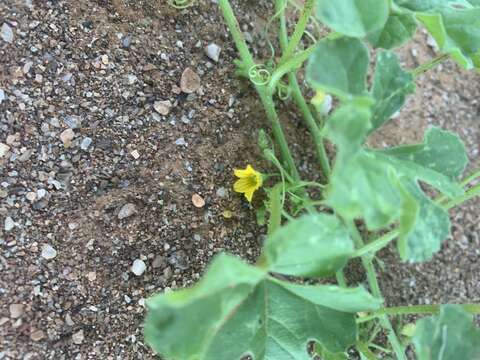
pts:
[180, 142]
[213, 51]
[4, 149]
[6, 33]
[127, 210]
[2, 95]
[138, 267]
[85, 144]
[9, 224]
[48, 252]
[221, 192]
[162, 107]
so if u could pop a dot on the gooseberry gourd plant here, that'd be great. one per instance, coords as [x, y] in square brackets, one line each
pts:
[276, 309]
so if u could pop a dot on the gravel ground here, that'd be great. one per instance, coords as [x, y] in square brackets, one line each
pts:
[115, 174]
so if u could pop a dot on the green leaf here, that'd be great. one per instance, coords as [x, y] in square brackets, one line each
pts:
[348, 127]
[339, 67]
[432, 5]
[275, 208]
[364, 186]
[422, 235]
[398, 30]
[441, 151]
[457, 33]
[451, 335]
[390, 88]
[360, 186]
[314, 245]
[241, 310]
[355, 18]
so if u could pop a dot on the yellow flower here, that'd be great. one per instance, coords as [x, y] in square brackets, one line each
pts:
[249, 181]
[319, 98]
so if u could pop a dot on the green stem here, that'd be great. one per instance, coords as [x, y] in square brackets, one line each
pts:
[311, 124]
[340, 276]
[427, 66]
[269, 105]
[293, 82]
[470, 194]
[363, 348]
[416, 310]
[299, 30]
[265, 96]
[377, 245]
[375, 289]
[291, 65]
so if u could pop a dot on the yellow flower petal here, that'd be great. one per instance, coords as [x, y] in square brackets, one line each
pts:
[244, 173]
[242, 185]
[249, 194]
[249, 181]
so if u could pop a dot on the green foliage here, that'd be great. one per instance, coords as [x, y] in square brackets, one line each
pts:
[449, 336]
[391, 86]
[242, 310]
[398, 30]
[432, 5]
[238, 309]
[457, 32]
[339, 67]
[323, 247]
[355, 18]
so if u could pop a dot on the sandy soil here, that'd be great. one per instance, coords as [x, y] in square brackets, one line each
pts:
[95, 177]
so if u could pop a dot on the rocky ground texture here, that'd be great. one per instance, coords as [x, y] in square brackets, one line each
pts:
[120, 125]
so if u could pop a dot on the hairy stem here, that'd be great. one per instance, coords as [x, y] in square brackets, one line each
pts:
[297, 95]
[416, 310]
[429, 65]
[265, 96]
[375, 289]
[299, 30]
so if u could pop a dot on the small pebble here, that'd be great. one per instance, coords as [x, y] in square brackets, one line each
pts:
[78, 337]
[180, 142]
[126, 211]
[37, 335]
[31, 196]
[48, 252]
[135, 154]
[162, 107]
[6, 33]
[67, 137]
[16, 310]
[159, 261]
[198, 201]
[2, 95]
[9, 224]
[138, 267]
[41, 193]
[190, 81]
[221, 192]
[213, 51]
[4, 149]
[85, 144]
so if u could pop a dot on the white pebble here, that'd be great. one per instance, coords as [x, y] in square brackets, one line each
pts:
[86, 142]
[126, 211]
[213, 51]
[9, 223]
[48, 252]
[6, 33]
[4, 149]
[138, 267]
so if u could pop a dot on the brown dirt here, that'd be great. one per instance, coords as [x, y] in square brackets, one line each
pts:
[86, 303]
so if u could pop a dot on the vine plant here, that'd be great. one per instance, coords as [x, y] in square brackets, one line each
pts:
[271, 310]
